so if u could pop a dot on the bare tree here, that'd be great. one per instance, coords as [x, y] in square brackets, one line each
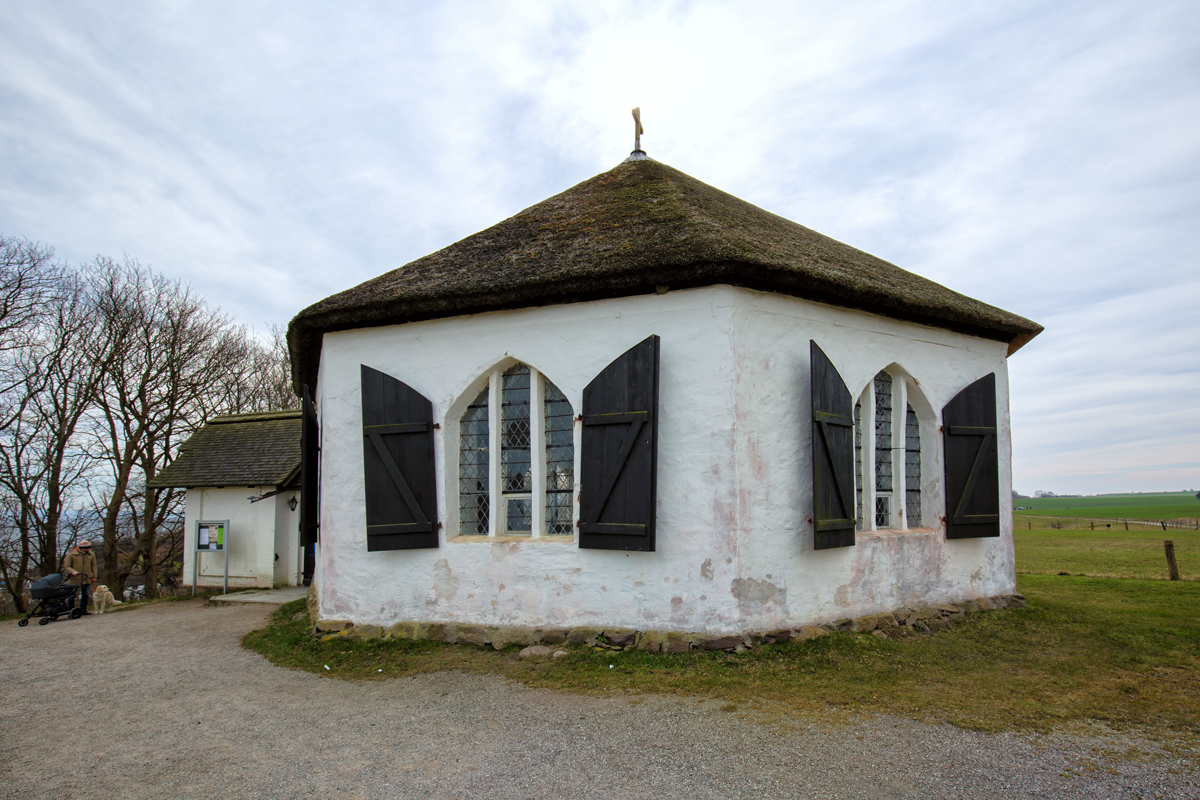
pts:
[51, 387]
[16, 538]
[103, 372]
[165, 357]
[273, 371]
[28, 279]
[258, 374]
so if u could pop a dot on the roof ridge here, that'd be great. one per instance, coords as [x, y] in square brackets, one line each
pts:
[254, 416]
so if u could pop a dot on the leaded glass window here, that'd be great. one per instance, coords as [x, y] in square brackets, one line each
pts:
[506, 483]
[473, 468]
[912, 468]
[560, 461]
[895, 452]
[883, 511]
[858, 478]
[883, 449]
[516, 462]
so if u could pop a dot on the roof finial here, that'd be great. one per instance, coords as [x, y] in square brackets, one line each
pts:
[638, 153]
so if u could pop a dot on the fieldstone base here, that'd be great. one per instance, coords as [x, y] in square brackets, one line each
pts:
[898, 623]
[311, 603]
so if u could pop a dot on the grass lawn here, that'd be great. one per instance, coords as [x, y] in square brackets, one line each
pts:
[1106, 553]
[1125, 652]
[1105, 643]
[1159, 505]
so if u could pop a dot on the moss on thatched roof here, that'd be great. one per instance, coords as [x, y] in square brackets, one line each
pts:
[260, 449]
[640, 225]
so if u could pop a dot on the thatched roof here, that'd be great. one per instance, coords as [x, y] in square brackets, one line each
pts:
[238, 450]
[625, 232]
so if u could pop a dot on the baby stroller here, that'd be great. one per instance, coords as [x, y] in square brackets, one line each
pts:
[54, 599]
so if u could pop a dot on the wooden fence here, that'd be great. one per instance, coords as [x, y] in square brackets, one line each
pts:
[1029, 521]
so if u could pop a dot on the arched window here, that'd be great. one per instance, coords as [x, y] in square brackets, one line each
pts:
[516, 460]
[893, 495]
[526, 486]
[883, 450]
[858, 457]
[560, 461]
[474, 502]
[912, 468]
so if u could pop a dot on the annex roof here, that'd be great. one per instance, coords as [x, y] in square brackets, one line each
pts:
[639, 226]
[260, 449]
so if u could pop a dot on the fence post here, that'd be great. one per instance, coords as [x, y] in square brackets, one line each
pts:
[1172, 567]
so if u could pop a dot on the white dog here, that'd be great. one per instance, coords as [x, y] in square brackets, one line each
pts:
[103, 598]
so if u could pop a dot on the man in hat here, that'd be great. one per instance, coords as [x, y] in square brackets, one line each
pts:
[79, 569]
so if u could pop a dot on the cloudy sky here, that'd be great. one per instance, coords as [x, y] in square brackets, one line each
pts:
[1043, 157]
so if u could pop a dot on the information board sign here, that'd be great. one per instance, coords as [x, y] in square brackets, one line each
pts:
[212, 536]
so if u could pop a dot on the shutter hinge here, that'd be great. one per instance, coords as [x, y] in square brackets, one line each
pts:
[437, 426]
[578, 417]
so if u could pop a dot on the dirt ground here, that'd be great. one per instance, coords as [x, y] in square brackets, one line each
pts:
[162, 702]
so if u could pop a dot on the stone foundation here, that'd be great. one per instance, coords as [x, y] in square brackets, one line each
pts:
[898, 623]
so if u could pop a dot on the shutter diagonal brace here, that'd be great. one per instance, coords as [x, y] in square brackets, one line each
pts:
[610, 480]
[397, 478]
[959, 517]
[824, 418]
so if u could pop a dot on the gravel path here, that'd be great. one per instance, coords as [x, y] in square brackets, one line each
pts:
[163, 702]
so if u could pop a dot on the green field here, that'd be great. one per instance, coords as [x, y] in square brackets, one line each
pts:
[1157, 505]
[1111, 554]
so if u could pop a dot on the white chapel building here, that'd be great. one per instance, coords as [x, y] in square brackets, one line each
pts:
[647, 404]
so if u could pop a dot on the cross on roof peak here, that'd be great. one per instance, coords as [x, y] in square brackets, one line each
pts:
[638, 153]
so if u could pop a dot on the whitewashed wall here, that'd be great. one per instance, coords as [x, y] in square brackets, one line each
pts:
[288, 569]
[256, 532]
[734, 545]
[779, 578]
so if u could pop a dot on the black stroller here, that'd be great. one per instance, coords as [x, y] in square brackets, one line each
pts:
[54, 599]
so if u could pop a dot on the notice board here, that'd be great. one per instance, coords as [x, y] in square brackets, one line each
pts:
[212, 536]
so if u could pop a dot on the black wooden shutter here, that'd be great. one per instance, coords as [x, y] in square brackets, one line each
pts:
[619, 453]
[832, 454]
[310, 459]
[397, 464]
[972, 462]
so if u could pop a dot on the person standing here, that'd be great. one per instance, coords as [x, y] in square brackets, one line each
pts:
[79, 569]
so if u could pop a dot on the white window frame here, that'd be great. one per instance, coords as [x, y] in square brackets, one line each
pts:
[898, 494]
[497, 506]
